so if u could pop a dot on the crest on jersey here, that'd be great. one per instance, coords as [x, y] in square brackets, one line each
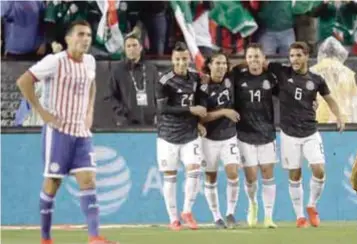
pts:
[227, 83]
[204, 87]
[310, 85]
[54, 167]
[266, 85]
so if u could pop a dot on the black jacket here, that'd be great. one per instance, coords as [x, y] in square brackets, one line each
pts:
[121, 94]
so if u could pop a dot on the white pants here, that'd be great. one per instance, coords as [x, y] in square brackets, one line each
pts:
[254, 155]
[226, 150]
[294, 149]
[169, 155]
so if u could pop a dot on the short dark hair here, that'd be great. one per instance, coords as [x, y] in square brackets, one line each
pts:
[132, 36]
[180, 47]
[300, 45]
[254, 45]
[75, 23]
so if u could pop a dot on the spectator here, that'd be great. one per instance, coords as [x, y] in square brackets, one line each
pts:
[132, 87]
[22, 28]
[277, 21]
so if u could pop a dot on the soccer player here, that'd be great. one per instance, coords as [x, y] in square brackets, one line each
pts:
[254, 89]
[220, 142]
[69, 83]
[179, 110]
[354, 175]
[298, 88]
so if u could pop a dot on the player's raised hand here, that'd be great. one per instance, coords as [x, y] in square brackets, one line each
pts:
[201, 130]
[232, 115]
[49, 118]
[199, 111]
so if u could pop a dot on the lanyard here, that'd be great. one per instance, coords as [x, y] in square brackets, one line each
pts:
[135, 82]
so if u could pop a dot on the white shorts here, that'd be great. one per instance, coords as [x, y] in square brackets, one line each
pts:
[294, 149]
[226, 150]
[254, 155]
[169, 155]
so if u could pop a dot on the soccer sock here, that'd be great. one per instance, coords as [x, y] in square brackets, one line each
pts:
[46, 210]
[211, 193]
[169, 190]
[316, 188]
[88, 199]
[191, 189]
[268, 192]
[297, 197]
[232, 195]
[251, 191]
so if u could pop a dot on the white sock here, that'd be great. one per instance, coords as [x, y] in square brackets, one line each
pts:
[268, 192]
[211, 193]
[192, 187]
[232, 195]
[316, 188]
[297, 197]
[169, 190]
[251, 191]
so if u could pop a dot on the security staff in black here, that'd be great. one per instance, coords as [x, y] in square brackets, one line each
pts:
[179, 107]
[253, 99]
[299, 136]
[220, 143]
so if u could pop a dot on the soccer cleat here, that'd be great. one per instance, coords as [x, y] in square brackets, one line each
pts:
[252, 217]
[269, 223]
[176, 225]
[47, 241]
[100, 240]
[231, 221]
[220, 224]
[189, 221]
[302, 223]
[313, 216]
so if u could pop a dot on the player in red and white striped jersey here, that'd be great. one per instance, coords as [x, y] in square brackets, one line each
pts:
[69, 82]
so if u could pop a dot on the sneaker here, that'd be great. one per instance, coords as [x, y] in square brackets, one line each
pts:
[252, 217]
[302, 223]
[220, 224]
[176, 225]
[100, 240]
[231, 221]
[189, 221]
[269, 223]
[313, 216]
[47, 241]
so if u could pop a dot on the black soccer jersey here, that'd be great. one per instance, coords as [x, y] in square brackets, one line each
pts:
[220, 96]
[253, 99]
[174, 95]
[297, 94]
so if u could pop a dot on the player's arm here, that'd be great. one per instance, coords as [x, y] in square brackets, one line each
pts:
[41, 70]
[90, 109]
[354, 175]
[219, 113]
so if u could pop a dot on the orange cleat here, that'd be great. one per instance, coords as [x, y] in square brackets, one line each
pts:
[313, 216]
[176, 225]
[302, 223]
[47, 241]
[189, 221]
[100, 240]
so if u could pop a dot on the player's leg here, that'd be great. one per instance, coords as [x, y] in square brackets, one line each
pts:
[230, 157]
[291, 155]
[267, 160]
[249, 159]
[167, 158]
[211, 154]
[314, 153]
[192, 156]
[83, 167]
[56, 150]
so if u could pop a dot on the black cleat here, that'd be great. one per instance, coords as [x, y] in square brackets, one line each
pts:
[231, 221]
[220, 224]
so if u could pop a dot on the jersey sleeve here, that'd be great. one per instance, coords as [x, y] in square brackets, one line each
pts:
[323, 87]
[44, 68]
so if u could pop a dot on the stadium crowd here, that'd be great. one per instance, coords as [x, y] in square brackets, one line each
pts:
[32, 29]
